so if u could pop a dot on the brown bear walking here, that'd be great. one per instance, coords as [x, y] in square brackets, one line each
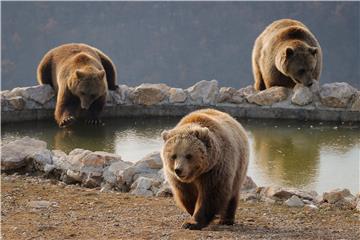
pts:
[284, 54]
[205, 160]
[81, 76]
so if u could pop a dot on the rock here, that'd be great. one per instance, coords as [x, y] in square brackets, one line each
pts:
[225, 94]
[149, 94]
[248, 184]
[302, 95]
[355, 106]
[294, 201]
[41, 204]
[113, 174]
[269, 96]
[164, 190]
[336, 195]
[86, 167]
[358, 206]
[16, 103]
[149, 166]
[14, 154]
[40, 94]
[310, 207]
[247, 91]
[204, 92]
[336, 95]
[286, 193]
[143, 185]
[42, 160]
[177, 95]
[113, 98]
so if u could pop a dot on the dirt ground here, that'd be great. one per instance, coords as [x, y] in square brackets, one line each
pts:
[80, 213]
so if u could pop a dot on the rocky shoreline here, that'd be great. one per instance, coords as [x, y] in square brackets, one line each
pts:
[109, 172]
[328, 102]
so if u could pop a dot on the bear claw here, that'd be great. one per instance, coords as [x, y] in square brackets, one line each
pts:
[95, 122]
[67, 122]
[192, 226]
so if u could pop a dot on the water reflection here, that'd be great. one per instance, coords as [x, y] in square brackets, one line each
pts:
[285, 153]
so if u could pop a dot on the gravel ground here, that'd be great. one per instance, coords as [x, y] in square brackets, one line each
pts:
[73, 212]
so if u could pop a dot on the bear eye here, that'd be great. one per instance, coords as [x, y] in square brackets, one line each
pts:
[83, 93]
[173, 157]
[92, 95]
[301, 71]
[188, 156]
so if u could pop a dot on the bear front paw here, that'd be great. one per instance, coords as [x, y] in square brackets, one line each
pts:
[67, 121]
[95, 122]
[226, 222]
[192, 225]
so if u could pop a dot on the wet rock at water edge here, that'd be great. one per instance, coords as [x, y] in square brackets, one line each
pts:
[336, 95]
[14, 155]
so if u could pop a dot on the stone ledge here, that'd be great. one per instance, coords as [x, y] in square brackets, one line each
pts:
[330, 102]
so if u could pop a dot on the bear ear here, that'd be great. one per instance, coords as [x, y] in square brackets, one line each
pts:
[165, 135]
[80, 74]
[101, 74]
[313, 50]
[202, 133]
[289, 52]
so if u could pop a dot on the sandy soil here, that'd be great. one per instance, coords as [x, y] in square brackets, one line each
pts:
[80, 213]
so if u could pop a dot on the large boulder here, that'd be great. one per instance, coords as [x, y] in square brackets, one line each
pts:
[149, 94]
[302, 95]
[336, 95]
[113, 175]
[230, 95]
[269, 96]
[286, 193]
[177, 95]
[355, 106]
[204, 92]
[336, 195]
[144, 186]
[149, 167]
[15, 154]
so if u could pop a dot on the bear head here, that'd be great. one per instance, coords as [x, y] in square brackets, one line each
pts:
[88, 85]
[298, 61]
[186, 152]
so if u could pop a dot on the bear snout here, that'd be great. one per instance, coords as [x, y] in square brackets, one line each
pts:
[178, 172]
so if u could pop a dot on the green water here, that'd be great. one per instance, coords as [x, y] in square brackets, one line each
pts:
[310, 155]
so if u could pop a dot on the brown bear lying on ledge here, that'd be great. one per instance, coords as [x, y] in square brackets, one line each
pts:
[81, 76]
[284, 54]
[205, 161]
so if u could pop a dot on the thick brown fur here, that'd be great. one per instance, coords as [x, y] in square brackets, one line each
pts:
[284, 54]
[205, 160]
[81, 76]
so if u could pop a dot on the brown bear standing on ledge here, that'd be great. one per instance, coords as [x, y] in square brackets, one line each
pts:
[284, 54]
[81, 75]
[205, 161]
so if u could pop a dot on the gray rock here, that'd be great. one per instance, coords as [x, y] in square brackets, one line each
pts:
[358, 206]
[294, 201]
[336, 95]
[248, 184]
[16, 103]
[269, 96]
[204, 92]
[286, 193]
[150, 94]
[310, 207]
[355, 106]
[225, 94]
[113, 98]
[177, 95]
[247, 91]
[42, 160]
[15, 154]
[40, 94]
[41, 204]
[148, 166]
[143, 186]
[113, 174]
[336, 195]
[164, 190]
[302, 95]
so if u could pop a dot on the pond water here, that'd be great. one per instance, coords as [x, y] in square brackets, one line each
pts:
[310, 155]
